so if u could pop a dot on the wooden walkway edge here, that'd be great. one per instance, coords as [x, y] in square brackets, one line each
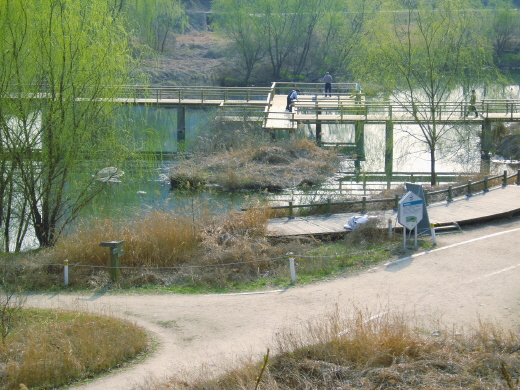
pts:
[498, 202]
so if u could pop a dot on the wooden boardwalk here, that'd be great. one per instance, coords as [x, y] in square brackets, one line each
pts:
[501, 201]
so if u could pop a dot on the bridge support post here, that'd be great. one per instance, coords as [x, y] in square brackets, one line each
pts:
[318, 133]
[485, 146]
[181, 129]
[389, 151]
[360, 144]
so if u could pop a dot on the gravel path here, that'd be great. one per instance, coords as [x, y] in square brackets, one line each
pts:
[472, 274]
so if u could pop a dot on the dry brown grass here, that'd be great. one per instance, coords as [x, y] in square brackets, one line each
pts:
[258, 166]
[384, 351]
[51, 348]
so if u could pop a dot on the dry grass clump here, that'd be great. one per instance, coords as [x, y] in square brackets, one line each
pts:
[381, 351]
[47, 349]
[161, 248]
[258, 166]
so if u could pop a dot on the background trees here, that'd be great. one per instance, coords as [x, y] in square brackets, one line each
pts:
[295, 39]
[60, 63]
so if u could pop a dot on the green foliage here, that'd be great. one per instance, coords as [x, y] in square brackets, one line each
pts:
[61, 63]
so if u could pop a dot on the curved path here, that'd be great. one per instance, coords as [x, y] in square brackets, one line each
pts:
[472, 274]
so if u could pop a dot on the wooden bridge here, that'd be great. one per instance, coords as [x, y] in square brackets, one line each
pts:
[497, 202]
[346, 105]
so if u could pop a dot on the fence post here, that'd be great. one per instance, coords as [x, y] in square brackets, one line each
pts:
[518, 177]
[450, 193]
[504, 179]
[291, 266]
[341, 185]
[486, 184]
[329, 207]
[396, 201]
[426, 197]
[469, 188]
[66, 272]
[290, 209]
[432, 230]
[364, 205]
[115, 253]
[389, 227]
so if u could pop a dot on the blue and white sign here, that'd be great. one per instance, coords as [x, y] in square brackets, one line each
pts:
[410, 210]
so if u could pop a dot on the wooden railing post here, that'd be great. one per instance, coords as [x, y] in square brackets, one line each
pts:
[396, 201]
[290, 209]
[504, 179]
[450, 194]
[469, 189]
[364, 205]
[426, 197]
[518, 177]
[329, 206]
[486, 184]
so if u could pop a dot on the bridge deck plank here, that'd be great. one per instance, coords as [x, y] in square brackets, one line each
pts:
[498, 201]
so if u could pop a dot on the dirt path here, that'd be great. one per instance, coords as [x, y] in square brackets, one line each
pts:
[472, 274]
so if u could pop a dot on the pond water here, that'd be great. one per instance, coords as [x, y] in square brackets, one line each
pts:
[155, 130]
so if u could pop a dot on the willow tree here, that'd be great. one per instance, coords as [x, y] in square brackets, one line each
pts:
[420, 51]
[61, 62]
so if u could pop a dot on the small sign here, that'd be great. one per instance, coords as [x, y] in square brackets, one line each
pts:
[410, 211]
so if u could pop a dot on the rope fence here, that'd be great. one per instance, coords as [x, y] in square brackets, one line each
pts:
[290, 257]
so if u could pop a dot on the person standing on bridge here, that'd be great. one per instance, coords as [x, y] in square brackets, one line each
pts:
[290, 98]
[472, 104]
[328, 84]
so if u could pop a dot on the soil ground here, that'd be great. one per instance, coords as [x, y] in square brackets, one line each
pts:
[470, 276]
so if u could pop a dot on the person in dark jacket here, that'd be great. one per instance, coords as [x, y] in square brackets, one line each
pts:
[328, 84]
[290, 98]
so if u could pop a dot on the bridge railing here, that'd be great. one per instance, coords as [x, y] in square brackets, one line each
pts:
[504, 106]
[204, 94]
[447, 194]
[338, 89]
[356, 105]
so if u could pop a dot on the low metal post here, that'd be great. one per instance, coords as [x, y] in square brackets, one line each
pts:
[504, 179]
[396, 202]
[434, 237]
[389, 227]
[450, 194]
[426, 197]
[518, 177]
[291, 266]
[329, 206]
[364, 205]
[486, 184]
[290, 209]
[66, 272]
[341, 185]
[469, 188]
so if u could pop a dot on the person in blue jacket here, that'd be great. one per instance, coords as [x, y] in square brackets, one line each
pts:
[290, 98]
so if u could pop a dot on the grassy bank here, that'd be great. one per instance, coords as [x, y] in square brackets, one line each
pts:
[197, 254]
[49, 348]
